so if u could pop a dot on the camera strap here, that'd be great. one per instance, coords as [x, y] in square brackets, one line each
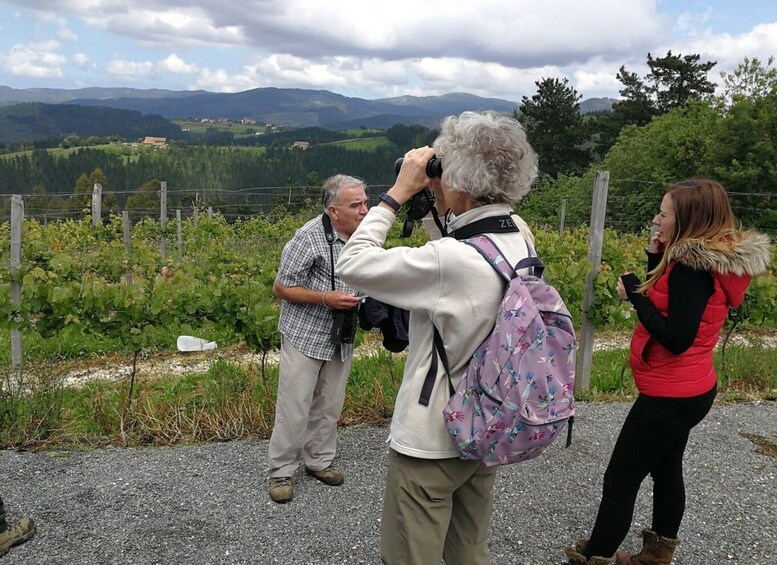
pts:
[329, 233]
[493, 224]
[407, 228]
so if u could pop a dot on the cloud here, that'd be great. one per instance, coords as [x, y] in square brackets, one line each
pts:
[494, 47]
[133, 70]
[169, 28]
[66, 34]
[508, 32]
[174, 64]
[386, 48]
[730, 50]
[81, 60]
[422, 77]
[34, 60]
[130, 70]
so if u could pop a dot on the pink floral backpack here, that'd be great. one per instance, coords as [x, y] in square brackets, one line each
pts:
[518, 390]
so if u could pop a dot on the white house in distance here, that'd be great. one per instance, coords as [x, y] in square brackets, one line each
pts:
[300, 145]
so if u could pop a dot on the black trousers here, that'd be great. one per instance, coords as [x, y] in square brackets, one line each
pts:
[652, 441]
[3, 524]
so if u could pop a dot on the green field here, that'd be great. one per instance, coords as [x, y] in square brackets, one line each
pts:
[366, 144]
[239, 130]
[131, 150]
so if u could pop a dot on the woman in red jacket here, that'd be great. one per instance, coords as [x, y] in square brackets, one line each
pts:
[699, 266]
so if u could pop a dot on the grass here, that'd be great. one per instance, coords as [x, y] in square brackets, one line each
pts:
[131, 151]
[366, 144]
[240, 130]
[37, 349]
[233, 400]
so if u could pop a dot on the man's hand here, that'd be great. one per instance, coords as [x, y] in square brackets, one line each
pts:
[338, 300]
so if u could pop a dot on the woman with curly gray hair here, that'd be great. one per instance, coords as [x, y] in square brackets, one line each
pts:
[435, 504]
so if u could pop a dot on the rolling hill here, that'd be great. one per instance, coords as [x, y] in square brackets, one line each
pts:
[37, 122]
[46, 113]
[291, 107]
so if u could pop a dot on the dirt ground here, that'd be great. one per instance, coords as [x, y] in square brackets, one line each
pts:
[170, 363]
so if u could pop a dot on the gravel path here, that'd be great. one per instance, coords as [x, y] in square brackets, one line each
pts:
[207, 504]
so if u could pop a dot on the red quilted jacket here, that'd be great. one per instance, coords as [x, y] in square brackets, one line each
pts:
[657, 372]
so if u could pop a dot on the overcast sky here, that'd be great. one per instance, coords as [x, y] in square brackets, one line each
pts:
[369, 49]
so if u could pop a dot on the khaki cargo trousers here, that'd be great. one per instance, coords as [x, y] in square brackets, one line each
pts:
[311, 394]
[435, 508]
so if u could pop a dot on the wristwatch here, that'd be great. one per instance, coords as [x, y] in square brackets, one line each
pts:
[391, 202]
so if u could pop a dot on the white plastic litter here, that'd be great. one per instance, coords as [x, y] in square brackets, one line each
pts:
[188, 343]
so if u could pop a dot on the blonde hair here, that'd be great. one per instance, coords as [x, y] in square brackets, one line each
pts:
[702, 212]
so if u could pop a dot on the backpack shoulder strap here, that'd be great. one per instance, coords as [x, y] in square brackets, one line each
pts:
[532, 262]
[437, 349]
[488, 249]
[491, 253]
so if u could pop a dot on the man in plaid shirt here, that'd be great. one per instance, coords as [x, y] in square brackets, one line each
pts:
[313, 370]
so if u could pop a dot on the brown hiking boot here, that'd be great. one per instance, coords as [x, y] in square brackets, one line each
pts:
[330, 476]
[576, 557]
[656, 550]
[281, 489]
[16, 533]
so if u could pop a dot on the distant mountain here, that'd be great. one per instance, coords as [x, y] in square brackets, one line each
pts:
[38, 122]
[291, 107]
[304, 108]
[597, 105]
[59, 95]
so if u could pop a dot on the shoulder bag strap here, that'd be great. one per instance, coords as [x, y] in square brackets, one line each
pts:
[329, 232]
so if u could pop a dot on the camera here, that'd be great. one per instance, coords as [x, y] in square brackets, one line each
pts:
[344, 326]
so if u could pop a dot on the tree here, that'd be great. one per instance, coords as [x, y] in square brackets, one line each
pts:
[751, 79]
[675, 146]
[673, 81]
[39, 204]
[679, 79]
[406, 137]
[145, 201]
[82, 195]
[637, 106]
[744, 158]
[555, 127]
[71, 140]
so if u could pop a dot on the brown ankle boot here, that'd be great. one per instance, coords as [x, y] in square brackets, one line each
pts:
[656, 550]
[576, 556]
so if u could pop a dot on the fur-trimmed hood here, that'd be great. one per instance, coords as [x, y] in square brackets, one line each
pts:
[749, 255]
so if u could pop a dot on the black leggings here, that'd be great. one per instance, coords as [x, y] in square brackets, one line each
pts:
[652, 441]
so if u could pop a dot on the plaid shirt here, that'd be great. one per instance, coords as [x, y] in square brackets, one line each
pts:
[306, 262]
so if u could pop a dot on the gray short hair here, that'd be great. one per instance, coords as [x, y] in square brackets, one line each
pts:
[487, 156]
[334, 184]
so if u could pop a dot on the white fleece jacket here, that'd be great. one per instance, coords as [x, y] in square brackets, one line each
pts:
[446, 282]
